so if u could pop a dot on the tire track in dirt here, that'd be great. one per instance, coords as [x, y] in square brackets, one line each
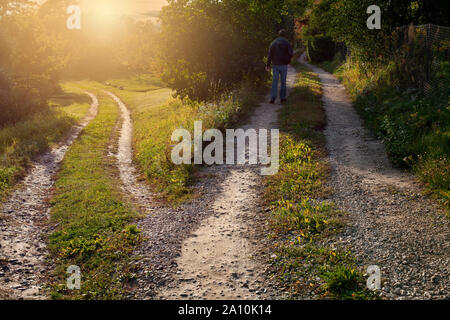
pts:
[162, 227]
[222, 258]
[392, 224]
[23, 224]
[128, 174]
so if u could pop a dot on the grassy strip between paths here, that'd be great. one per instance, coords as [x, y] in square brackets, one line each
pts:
[22, 142]
[156, 115]
[93, 223]
[299, 219]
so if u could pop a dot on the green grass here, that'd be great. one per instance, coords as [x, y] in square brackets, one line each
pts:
[302, 170]
[72, 101]
[299, 219]
[22, 142]
[94, 229]
[414, 127]
[137, 83]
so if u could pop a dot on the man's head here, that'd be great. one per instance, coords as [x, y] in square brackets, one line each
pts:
[283, 33]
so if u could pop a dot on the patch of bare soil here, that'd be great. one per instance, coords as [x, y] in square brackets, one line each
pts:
[23, 227]
[392, 223]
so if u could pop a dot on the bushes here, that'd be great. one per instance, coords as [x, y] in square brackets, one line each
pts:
[16, 103]
[320, 48]
[345, 21]
[22, 142]
[5, 101]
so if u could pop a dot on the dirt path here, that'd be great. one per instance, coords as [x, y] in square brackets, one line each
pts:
[220, 260]
[23, 224]
[162, 227]
[216, 260]
[124, 155]
[392, 224]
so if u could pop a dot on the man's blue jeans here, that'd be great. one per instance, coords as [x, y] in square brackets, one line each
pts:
[279, 71]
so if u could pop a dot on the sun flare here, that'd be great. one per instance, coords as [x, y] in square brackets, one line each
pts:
[104, 13]
[105, 8]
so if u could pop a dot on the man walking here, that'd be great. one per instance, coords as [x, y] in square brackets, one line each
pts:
[280, 55]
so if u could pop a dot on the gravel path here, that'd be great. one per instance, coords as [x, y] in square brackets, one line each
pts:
[392, 224]
[23, 224]
[222, 258]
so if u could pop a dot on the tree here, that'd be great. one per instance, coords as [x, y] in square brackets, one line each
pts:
[14, 8]
[31, 59]
[209, 46]
[345, 20]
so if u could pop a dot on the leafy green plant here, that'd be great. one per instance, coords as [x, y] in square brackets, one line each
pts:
[343, 282]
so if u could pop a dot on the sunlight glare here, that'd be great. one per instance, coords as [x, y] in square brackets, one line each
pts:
[105, 13]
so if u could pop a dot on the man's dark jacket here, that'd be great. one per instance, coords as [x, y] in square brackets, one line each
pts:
[280, 52]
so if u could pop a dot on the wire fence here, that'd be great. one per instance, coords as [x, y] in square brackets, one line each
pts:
[424, 53]
[421, 56]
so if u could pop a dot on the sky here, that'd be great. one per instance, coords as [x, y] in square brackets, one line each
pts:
[134, 6]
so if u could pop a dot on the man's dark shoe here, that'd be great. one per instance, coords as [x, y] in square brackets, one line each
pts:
[283, 100]
[272, 101]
